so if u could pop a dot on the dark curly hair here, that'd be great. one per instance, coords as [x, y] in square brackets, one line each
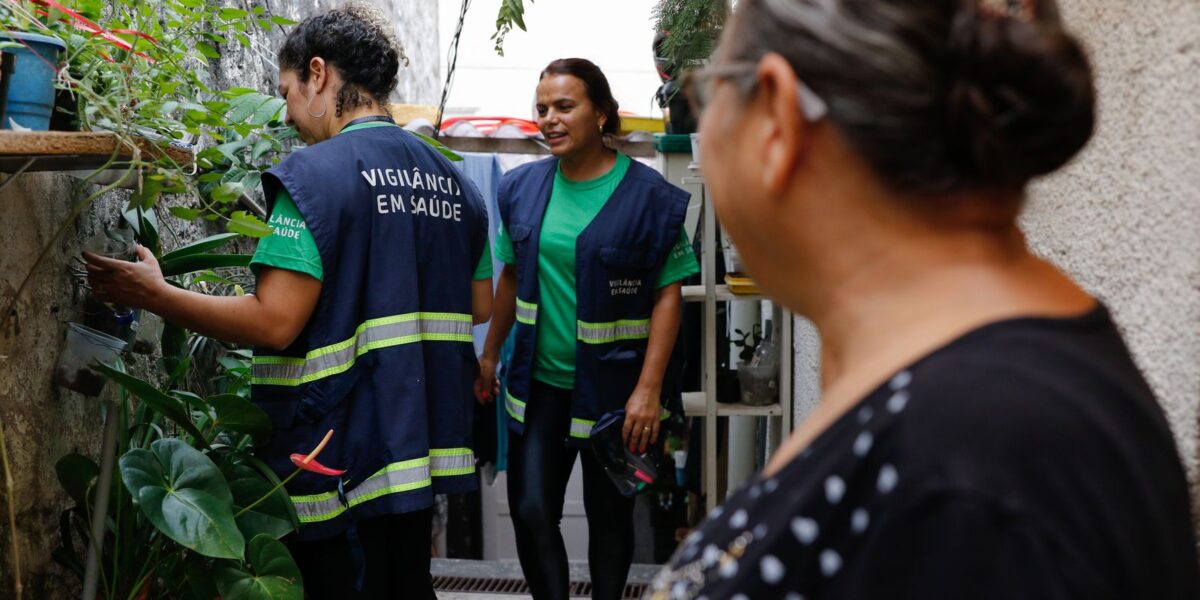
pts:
[355, 39]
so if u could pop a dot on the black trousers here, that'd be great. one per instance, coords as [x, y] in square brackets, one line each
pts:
[395, 551]
[539, 465]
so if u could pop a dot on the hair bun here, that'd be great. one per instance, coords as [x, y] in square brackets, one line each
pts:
[1021, 102]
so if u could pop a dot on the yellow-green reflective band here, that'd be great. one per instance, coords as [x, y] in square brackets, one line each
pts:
[582, 428]
[371, 335]
[397, 477]
[526, 312]
[449, 462]
[602, 333]
[516, 408]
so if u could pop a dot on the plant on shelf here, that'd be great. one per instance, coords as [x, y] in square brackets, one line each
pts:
[747, 341]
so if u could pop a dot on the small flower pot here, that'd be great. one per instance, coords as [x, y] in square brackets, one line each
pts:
[29, 102]
[759, 383]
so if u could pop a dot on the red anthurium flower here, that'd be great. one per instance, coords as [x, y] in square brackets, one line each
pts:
[309, 462]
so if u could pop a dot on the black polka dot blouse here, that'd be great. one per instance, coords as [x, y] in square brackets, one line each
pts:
[1027, 459]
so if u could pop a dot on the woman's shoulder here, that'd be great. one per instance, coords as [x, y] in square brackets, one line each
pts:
[1034, 396]
[542, 168]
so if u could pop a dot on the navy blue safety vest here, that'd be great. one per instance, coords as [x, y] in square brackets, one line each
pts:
[386, 360]
[617, 260]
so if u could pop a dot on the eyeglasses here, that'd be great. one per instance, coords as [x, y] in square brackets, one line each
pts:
[697, 86]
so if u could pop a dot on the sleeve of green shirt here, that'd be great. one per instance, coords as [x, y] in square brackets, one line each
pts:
[292, 245]
[504, 248]
[484, 269]
[681, 263]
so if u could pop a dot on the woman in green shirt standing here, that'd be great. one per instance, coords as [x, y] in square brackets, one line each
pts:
[575, 110]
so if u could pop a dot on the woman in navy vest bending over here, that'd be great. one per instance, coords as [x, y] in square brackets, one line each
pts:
[983, 432]
[594, 253]
[362, 316]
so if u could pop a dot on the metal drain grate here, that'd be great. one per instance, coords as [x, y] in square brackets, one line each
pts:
[500, 585]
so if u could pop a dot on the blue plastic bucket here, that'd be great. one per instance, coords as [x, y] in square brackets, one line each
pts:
[30, 99]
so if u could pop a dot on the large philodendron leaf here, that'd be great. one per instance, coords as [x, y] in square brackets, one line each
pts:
[270, 574]
[185, 495]
[239, 414]
[76, 474]
[271, 516]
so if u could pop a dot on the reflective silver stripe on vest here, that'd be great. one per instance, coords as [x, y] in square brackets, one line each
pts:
[601, 333]
[582, 428]
[526, 312]
[395, 478]
[371, 335]
[516, 408]
[451, 462]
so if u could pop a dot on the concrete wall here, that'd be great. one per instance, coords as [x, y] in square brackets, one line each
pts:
[1124, 218]
[44, 422]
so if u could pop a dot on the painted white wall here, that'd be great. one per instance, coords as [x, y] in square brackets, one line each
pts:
[615, 34]
[1124, 218]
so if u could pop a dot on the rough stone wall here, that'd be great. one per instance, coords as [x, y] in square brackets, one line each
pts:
[44, 422]
[417, 29]
[1124, 218]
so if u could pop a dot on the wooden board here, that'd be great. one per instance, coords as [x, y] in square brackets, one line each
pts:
[74, 151]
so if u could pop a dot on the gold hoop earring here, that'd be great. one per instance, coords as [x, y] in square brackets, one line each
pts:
[324, 107]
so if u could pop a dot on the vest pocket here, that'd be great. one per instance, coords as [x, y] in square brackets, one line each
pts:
[323, 396]
[519, 236]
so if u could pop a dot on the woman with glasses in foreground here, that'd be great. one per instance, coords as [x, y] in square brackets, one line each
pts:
[983, 431]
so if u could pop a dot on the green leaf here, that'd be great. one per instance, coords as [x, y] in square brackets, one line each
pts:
[230, 14]
[248, 225]
[147, 196]
[266, 113]
[269, 474]
[202, 262]
[208, 51]
[234, 92]
[184, 213]
[231, 149]
[200, 247]
[270, 574]
[440, 147]
[185, 496]
[228, 192]
[282, 21]
[251, 180]
[155, 399]
[270, 516]
[242, 107]
[76, 473]
[199, 579]
[238, 414]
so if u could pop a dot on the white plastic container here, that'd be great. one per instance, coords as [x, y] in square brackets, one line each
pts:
[85, 347]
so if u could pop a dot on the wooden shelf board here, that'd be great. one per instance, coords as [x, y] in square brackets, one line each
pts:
[693, 406]
[695, 293]
[74, 151]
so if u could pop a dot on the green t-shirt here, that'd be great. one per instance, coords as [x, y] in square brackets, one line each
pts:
[573, 205]
[293, 247]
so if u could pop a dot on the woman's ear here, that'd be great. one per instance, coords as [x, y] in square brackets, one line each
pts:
[318, 74]
[784, 131]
